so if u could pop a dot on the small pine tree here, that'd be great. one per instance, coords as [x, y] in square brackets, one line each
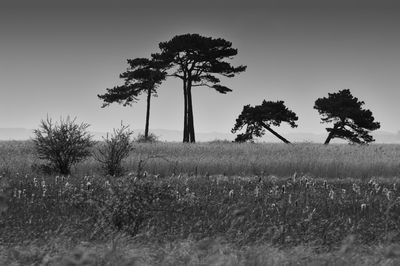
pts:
[260, 117]
[143, 76]
[350, 120]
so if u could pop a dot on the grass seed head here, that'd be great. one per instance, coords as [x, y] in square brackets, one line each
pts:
[3, 203]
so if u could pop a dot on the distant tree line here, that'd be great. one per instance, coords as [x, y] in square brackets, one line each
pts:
[200, 62]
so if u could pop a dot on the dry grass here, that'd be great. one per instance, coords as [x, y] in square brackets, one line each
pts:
[233, 159]
[206, 204]
[123, 250]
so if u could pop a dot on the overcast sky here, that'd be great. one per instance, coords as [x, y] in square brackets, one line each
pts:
[55, 57]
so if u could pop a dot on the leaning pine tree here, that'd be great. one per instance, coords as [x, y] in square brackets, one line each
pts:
[196, 60]
[350, 120]
[143, 75]
[260, 117]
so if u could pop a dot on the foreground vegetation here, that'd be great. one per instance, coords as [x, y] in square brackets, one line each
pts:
[175, 206]
[122, 250]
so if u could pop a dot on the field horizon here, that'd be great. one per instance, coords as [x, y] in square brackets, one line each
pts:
[167, 135]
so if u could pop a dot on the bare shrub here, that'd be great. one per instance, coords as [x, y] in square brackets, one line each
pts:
[62, 144]
[114, 149]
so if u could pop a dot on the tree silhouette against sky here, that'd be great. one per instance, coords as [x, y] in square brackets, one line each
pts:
[261, 117]
[196, 60]
[350, 120]
[143, 76]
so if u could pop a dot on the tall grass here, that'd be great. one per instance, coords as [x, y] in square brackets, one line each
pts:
[206, 204]
[121, 250]
[233, 159]
[207, 221]
[293, 211]
[17, 157]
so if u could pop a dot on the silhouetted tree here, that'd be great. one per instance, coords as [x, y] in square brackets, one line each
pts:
[143, 75]
[350, 120]
[196, 60]
[261, 117]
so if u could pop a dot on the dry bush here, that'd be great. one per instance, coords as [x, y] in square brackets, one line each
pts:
[63, 144]
[115, 149]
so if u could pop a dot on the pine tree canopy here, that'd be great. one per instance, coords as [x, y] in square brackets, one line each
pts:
[142, 75]
[198, 59]
[261, 117]
[350, 120]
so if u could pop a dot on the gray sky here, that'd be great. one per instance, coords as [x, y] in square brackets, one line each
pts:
[55, 57]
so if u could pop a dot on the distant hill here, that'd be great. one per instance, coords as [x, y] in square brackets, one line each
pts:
[176, 135]
[15, 133]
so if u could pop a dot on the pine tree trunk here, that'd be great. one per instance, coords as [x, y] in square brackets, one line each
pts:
[331, 134]
[328, 139]
[192, 137]
[275, 133]
[146, 129]
[185, 114]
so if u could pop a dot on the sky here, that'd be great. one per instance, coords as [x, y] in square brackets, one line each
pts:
[57, 56]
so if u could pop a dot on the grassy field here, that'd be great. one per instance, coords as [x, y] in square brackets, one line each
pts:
[206, 204]
[233, 159]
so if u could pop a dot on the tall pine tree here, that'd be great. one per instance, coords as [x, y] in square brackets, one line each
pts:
[197, 61]
[143, 76]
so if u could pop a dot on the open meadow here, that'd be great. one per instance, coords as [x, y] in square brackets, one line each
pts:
[216, 203]
[232, 159]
